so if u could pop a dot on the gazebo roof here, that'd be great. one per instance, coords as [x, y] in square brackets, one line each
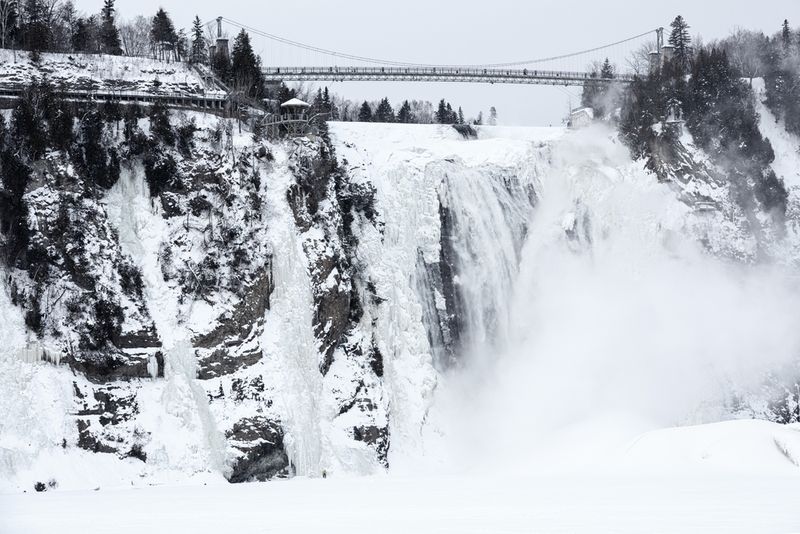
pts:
[295, 103]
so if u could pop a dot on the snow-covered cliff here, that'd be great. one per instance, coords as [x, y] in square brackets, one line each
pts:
[393, 294]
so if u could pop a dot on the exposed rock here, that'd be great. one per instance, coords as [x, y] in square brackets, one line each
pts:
[263, 457]
[88, 441]
[110, 365]
[377, 437]
[143, 339]
[233, 344]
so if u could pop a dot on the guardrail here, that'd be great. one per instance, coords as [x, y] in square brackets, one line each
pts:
[204, 101]
[449, 74]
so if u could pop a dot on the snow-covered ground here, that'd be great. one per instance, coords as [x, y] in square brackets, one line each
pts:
[785, 144]
[733, 477]
[101, 72]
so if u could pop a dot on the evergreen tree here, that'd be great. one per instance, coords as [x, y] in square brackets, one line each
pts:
[607, 70]
[36, 32]
[452, 116]
[786, 35]
[460, 115]
[681, 40]
[28, 122]
[317, 104]
[160, 124]
[405, 115]
[13, 209]
[162, 34]
[61, 126]
[493, 116]
[327, 105]
[479, 120]
[80, 36]
[365, 113]
[199, 48]
[97, 168]
[443, 112]
[221, 65]
[246, 74]
[109, 34]
[384, 113]
[285, 93]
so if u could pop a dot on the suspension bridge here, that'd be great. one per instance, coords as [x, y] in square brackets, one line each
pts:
[286, 60]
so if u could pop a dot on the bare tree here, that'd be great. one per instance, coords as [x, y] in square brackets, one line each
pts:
[422, 111]
[8, 10]
[744, 49]
[639, 60]
[135, 36]
[63, 28]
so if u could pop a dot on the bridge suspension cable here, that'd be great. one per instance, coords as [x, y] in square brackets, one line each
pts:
[378, 61]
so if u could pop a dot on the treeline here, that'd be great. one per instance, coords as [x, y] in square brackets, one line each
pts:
[775, 58]
[57, 26]
[407, 112]
[702, 87]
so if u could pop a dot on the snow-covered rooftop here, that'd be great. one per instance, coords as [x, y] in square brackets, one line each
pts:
[295, 103]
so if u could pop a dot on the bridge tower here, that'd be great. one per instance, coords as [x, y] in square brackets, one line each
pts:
[657, 56]
[222, 41]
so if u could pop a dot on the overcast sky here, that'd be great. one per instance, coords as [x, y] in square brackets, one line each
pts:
[469, 31]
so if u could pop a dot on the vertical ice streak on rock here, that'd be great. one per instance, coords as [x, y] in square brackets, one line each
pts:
[141, 232]
[291, 350]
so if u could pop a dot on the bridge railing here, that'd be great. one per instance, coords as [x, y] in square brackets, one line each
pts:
[437, 72]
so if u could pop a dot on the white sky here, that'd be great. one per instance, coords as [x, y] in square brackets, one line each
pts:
[469, 31]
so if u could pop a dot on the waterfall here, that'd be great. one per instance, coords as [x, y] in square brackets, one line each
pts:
[618, 320]
[485, 213]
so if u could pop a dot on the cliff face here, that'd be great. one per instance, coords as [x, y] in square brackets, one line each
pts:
[255, 310]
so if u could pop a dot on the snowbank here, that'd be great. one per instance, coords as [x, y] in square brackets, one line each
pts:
[100, 72]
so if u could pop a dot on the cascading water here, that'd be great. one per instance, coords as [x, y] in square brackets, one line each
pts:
[618, 321]
[485, 214]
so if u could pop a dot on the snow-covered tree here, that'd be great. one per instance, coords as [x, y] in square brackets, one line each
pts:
[384, 112]
[109, 34]
[163, 36]
[9, 11]
[199, 46]
[681, 40]
[365, 113]
[135, 37]
[405, 115]
[246, 75]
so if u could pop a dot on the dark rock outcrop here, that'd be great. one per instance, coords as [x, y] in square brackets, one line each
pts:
[263, 456]
[223, 351]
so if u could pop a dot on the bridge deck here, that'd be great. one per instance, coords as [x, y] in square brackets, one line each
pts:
[436, 74]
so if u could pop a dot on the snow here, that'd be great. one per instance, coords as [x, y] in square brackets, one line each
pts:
[105, 73]
[295, 102]
[290, 348]
[441, 505]
[785, 144]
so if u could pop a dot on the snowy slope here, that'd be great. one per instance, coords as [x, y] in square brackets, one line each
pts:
[100, 72]
[785, 144]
